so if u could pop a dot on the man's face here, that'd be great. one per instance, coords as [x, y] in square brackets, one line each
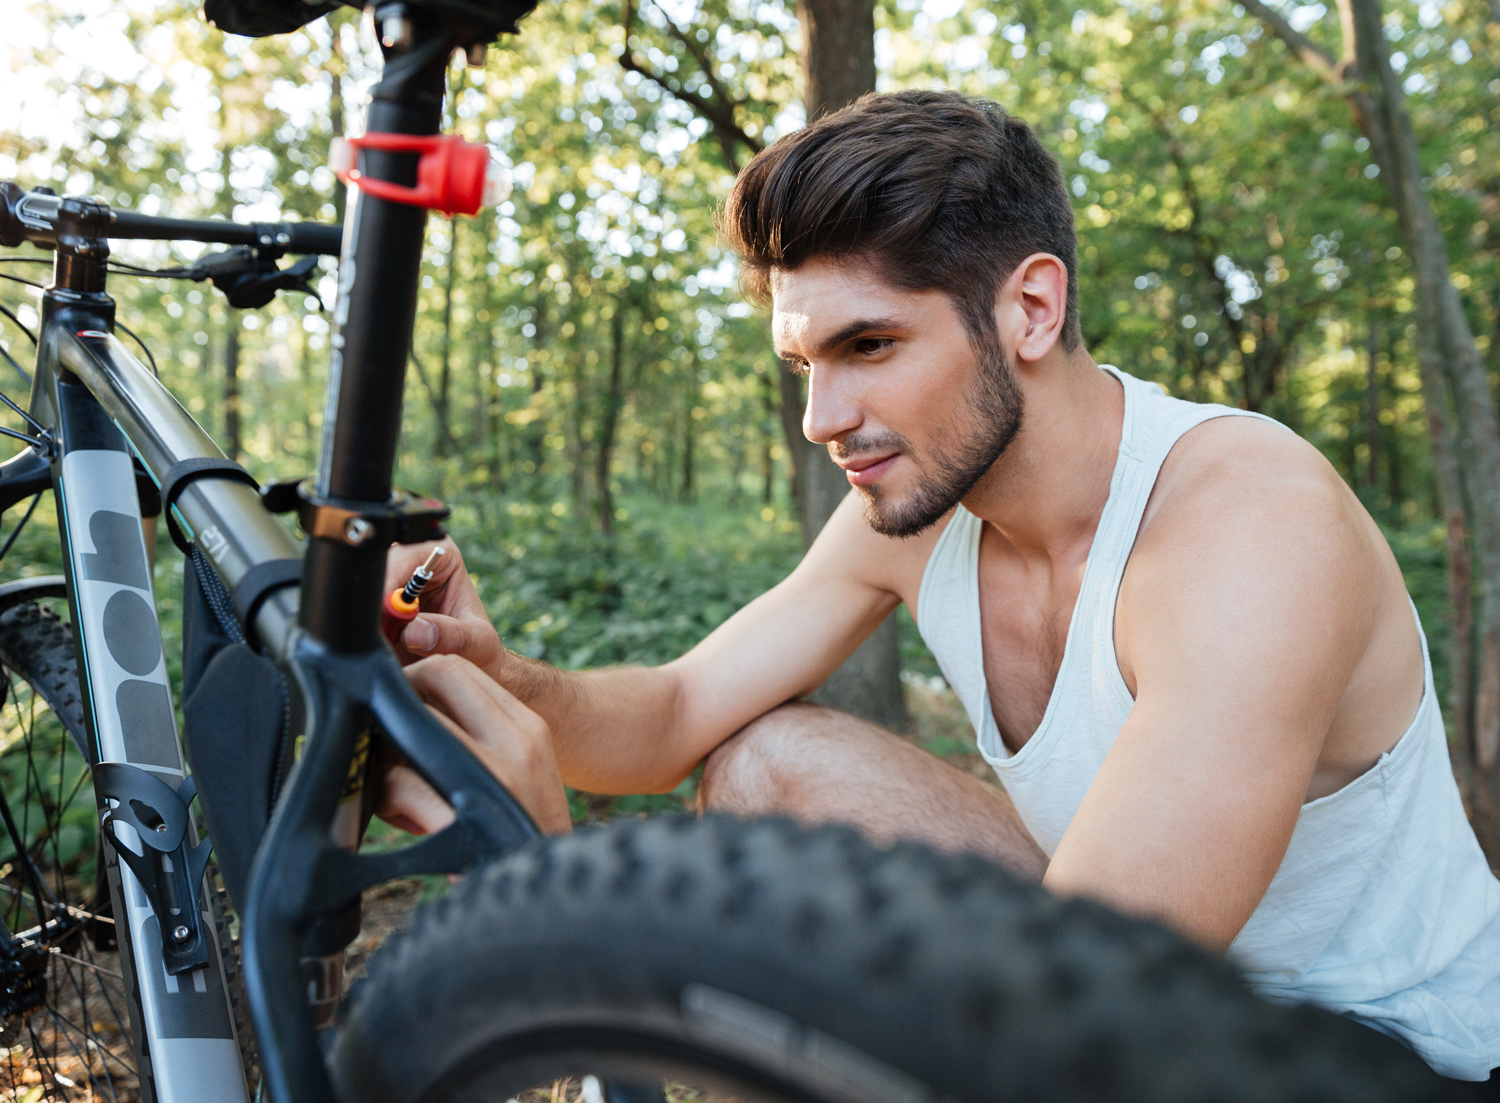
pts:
[911, 411]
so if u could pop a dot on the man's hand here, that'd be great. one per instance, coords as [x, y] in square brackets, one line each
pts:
[513, 742]
[452, 620]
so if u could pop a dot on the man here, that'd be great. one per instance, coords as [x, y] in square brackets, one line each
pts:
[1184, 646]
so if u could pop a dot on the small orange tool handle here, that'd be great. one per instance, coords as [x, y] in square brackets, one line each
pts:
[395, 614]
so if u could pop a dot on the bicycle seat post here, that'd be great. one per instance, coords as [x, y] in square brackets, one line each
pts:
[372, 330]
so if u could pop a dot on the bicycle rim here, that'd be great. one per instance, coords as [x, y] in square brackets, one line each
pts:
[65, 1030]
[633, 1066]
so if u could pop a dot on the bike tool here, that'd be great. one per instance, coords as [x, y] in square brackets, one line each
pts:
[400, 606]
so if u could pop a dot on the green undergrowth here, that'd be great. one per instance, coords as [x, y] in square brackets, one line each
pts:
[558, 589]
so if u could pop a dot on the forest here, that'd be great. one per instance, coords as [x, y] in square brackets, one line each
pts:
[1292, 208]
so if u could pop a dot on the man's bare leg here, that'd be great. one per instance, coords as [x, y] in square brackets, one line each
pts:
[818, 765]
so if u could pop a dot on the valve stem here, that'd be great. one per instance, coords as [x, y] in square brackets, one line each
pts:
[420, 578]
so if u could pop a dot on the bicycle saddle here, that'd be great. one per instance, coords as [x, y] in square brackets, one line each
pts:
[260, 18]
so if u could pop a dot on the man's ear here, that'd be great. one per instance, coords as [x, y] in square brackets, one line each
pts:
[1031, 306]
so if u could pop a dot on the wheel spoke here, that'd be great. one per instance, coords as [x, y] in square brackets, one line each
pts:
[77, 1040]
[104, 988]
[98, 969]
[62, 1025]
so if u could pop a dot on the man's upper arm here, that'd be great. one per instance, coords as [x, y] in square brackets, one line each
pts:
[1244, 613]
[788, 641]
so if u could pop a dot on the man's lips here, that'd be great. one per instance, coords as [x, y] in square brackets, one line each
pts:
[864, 470]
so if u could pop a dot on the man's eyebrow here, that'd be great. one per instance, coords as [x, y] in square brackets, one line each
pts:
[849, 332]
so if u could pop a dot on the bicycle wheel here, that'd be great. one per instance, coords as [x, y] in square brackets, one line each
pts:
[763, 961]
[65, 1012]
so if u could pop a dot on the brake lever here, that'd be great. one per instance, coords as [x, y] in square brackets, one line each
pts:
[250, 281]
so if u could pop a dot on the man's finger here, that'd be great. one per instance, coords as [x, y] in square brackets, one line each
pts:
[471, 698]
[437, 634]
[411, 804]
[513, 742]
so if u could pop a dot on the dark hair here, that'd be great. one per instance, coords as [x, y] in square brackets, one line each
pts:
[935, 190]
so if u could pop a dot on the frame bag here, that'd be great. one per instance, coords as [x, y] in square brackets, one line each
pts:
[237, 708]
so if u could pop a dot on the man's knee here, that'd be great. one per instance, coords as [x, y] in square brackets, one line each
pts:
[752, 772]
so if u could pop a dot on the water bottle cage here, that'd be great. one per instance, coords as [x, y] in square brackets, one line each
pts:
[169, 867]
[453, 176]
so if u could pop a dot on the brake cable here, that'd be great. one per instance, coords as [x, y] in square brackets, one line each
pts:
[131, 334]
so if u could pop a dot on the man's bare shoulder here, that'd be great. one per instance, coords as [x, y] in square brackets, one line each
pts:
[1256, 566]
[1250, 472]
[1245, 512]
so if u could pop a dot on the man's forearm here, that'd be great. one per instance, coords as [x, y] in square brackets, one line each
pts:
[616, 730]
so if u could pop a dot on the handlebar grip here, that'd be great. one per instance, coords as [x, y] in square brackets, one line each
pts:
[314, 237]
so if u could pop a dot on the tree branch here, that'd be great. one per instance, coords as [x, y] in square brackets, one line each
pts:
[694, 47]
[717, 112]
[1336, 72]
[1317, 59]
[442, 415]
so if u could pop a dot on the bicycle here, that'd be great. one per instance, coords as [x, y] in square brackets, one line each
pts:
[760, 959]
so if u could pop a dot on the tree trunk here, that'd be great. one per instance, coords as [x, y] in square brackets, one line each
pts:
[444, 404]
[798, 450]
[232, 442]
[336, 68]
[494, 413]
[1445, 351]
[768, 461]
[1372, 404]
[838, 53]
[1460, 571]
[536, 430]
[838, 66]
[577, 447]
[610, 420]
[1445, 340]
[687, 492]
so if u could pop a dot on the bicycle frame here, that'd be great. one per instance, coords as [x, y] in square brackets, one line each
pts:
[101, 407]
[183, 1022]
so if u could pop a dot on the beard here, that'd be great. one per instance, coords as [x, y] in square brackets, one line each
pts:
[983, 428]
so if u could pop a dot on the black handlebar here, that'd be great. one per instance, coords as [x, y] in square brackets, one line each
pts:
[32, 216]
[290, 237]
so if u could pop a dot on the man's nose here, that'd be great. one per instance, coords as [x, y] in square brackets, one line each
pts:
[831, 410]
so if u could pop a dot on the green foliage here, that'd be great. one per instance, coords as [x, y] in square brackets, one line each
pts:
[587, 384]
[1421, 553]
[41, 774]
[559, 590]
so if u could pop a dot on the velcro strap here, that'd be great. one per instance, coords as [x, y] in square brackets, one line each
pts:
[260, 582]
[180, 474]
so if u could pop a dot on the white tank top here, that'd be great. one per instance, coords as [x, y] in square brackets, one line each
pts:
[1383, 908]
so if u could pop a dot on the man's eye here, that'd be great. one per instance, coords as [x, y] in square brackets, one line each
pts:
[869, 346]
[796, 367]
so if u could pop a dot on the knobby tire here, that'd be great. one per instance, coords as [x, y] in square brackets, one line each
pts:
[764, 961]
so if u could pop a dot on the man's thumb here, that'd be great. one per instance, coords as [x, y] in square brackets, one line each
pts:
[434, 634]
